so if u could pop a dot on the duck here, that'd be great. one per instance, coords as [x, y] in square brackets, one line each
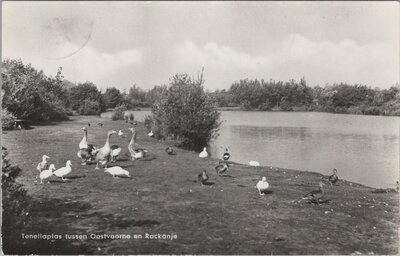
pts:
[117, 171]
[43, 165]
[203, 177]
[100, 124]
[333, 178]
[103, 155]
[262, 186]
[63, 171]
[226, 155]
[45, 174]
[86, 151]
[203, 154]
[115, 150]
[120, 133]
[134, 149]
[151, 134]
[315, 195]
[88, 124]
[254, 163]
[169, 150]
[221, 168]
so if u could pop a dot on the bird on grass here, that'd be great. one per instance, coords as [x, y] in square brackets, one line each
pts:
[63, 171]
[88, 124]
[333, 178]
[100, 124]
[115, 150]
[203, 177]
[315, 195]
[120, 133]
[151, 134]
[45, 174]
[43, 164]
[221, 168]
[262, 186]
[116, 171]
[226, 155]
[254, 163]
[169, 150]
[203, 154]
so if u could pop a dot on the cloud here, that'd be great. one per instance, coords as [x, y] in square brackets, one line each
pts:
[320, 62]
[217, 57]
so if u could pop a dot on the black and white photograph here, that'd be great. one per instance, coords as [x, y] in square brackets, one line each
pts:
[200, 127]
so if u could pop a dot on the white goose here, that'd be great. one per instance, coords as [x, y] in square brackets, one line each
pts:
[117, 171]
[103, 155]
[262, 186]
[45, 174]
[151, 134]
[115, 150]
[120, 133]
[63, 171]
[203, 154]
[254, 163]
[43, 165]
[133, 147]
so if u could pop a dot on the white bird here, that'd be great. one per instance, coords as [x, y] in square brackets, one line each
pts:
[135, 149]
[117, 171]
[103, 154]
[254, 163]
[115, 150]
[120, 133]
[63, 171]
[262, 185]
[45, 174]
[43, 165]
[151, 134]
[203, 154]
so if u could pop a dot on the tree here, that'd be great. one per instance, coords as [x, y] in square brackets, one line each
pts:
[87, 99]
[185, 111]
[29, 94]
[112, 97]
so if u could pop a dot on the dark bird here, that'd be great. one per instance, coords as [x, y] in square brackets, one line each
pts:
[100, 124]
[226, 155]
[169, 150]
[88, 124]
[203, 177]
[3, 148]
[315, 195]
[221, 168]
[397, 186]
[333, 178]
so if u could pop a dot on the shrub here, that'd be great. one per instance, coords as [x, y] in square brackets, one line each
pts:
[16, 205]
[148, 122]
[187, 112]
[131, 117]
[118, 113]
[372, 110]
[8, 120]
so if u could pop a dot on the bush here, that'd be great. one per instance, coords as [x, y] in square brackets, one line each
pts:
[89, 107]
[16, 205]
[149, 122]
[372, 111]
[118, 113]
[186, 112]
[8, 120]
[131, 117]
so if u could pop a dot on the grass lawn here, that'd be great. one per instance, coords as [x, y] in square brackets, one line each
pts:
[226, 217]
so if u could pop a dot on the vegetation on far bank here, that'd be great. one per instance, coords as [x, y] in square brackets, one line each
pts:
[30, 94]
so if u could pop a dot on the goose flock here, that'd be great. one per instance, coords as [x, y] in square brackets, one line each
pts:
[109, 154]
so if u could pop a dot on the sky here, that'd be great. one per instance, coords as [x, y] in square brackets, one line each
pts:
[119, 44]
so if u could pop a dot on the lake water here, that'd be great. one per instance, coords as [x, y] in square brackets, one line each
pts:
[364, 149]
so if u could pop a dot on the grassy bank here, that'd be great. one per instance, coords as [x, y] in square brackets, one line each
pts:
[226, 217]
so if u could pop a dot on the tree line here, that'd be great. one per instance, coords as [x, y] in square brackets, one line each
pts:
[298, 96]
[29, 94]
